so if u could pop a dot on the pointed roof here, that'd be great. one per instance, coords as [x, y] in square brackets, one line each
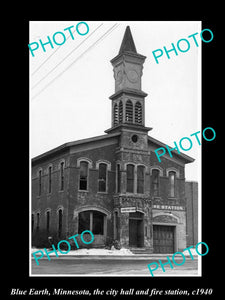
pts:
[128, 42]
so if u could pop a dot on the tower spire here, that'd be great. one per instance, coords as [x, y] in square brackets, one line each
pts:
[127, 42]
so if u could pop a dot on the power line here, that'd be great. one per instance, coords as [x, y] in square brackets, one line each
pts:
[101, 38]
[66, 56]
[49, 56]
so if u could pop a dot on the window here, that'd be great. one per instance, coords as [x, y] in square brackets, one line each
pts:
[116, 115]
[91, 220]
[83, 175]
[84, 221]
[102, 177]
[120, 112]
[140, 179]
[39, 182]
[130, 178]
[138, 113]
[47, 220]
[172, 175]
[62, 164]
[60, 214]
[38, 221]
[98, 222]
[50, 179]
[129, 112]
[118, 177]
[32, 222]
[155, 182]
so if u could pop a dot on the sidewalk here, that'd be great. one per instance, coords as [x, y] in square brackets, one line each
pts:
[123, 253]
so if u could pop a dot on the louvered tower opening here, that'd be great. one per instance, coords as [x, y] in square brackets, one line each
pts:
[129, 112]
[138, 113]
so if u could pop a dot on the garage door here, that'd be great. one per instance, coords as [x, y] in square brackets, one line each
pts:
[163, 239]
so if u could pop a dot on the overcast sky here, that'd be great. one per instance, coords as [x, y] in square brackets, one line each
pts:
[70, 85]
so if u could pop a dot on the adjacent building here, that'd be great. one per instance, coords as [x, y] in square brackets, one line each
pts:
[113, 184]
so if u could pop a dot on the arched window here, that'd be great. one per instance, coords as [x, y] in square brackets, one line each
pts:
[140, 179]
[155, 182]
[83, 176]
[92, 220]
[32, 222]
[172, 176]
[130, 178]
[116, 115]
[118, 177]
[120, 112]
[60, 214]
[50, 179]
[138, 113]
[129, 112]
[48, 220]
[38, 221]
[62, 166]
[39, 182]
[102, 177]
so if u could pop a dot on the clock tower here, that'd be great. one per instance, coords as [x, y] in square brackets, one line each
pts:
[132, 198]
[128, 101]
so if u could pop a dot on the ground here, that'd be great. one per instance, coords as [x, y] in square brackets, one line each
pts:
[98, 262]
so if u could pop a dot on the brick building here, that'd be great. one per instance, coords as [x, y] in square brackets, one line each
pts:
[113, 184]
[191, 193]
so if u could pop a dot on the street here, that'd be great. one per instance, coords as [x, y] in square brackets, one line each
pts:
[110, 266]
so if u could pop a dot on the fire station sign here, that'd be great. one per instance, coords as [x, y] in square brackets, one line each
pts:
[169, 207]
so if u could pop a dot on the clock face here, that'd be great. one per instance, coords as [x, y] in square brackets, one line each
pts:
[132, 76]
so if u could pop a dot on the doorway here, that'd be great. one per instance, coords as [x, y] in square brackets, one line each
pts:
[136, 229]
[163, 239]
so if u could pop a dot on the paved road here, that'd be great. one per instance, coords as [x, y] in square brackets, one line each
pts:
[110, 266]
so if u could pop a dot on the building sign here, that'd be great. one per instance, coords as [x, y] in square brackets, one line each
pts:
[169, 207]
[128, 209]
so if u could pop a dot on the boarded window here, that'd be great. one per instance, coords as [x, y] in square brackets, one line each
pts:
[140, 179]
[83, 175]
[130, 178]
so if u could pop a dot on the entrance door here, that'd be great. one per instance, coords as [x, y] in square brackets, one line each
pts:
[163, 239]
[136, 230]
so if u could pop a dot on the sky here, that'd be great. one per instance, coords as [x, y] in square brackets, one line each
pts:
[70, 85]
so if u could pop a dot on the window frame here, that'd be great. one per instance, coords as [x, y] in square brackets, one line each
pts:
[62, 175]
[50, 167]
[158, 182]
[141, 179]
[130, 179]
[87, 177]
[172, 186]
[105, 179]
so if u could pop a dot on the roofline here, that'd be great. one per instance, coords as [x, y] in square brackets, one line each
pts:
[185, 157]
[65, 146]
